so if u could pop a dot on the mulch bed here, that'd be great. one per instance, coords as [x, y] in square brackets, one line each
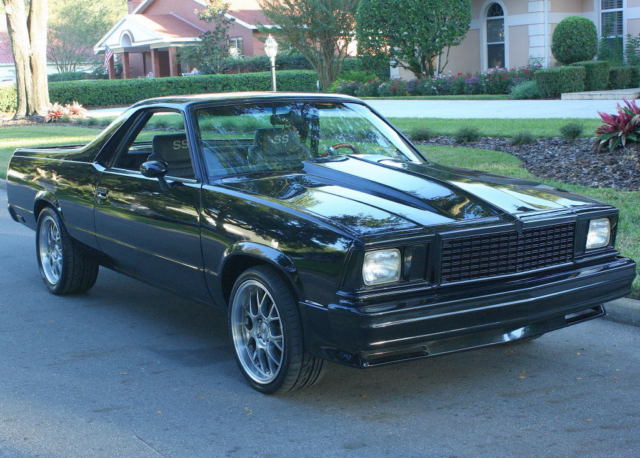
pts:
[570, 162]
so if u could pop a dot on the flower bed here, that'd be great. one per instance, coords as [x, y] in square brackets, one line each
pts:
[574, 162]
[495, 81]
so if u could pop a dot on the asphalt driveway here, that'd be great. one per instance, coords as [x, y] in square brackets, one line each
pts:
[128, 370]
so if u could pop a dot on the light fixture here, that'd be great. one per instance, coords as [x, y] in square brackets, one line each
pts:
[271, 50]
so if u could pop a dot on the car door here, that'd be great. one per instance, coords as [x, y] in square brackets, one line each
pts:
[149, 231]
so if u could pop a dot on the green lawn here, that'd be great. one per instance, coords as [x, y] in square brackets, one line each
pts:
[496, 127]
[504, 164]
[45, 135]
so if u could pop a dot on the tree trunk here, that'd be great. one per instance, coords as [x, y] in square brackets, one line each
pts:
[28, 35]
[38, 38]
[19, 35]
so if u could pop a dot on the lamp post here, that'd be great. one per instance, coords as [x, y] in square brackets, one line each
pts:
[271, 49]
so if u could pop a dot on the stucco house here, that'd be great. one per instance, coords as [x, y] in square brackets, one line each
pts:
[146, 40]
[515, 33]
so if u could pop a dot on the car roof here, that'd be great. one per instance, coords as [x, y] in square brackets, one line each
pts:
[243, 97]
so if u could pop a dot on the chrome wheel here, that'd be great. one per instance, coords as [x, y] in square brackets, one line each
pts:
[50, 249]
[256, 329]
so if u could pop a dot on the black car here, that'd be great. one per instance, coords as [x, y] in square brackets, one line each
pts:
[320, 228]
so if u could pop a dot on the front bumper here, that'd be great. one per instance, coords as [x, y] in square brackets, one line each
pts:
[437, 323]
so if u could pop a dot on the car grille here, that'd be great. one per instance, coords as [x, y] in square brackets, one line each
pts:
[487, 256]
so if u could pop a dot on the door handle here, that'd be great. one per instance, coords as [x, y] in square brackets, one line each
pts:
[101, 193]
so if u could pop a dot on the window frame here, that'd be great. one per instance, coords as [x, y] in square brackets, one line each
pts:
[140, 119]
[604, 11]
[192, 108]
[484, 51]
[237, 40]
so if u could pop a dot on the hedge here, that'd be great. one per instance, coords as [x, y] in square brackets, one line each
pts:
[622, 77]
[635, 76]
[68, 76]
[94, 93]
[596, 76]
[553, 82]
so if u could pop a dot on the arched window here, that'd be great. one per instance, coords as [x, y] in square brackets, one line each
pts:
[495, 36]
[125, 40]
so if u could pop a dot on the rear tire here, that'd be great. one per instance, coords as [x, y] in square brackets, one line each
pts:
[65, 265]
[266, 332]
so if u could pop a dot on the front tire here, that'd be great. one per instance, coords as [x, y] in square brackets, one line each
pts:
[266, 332]
[66, 266]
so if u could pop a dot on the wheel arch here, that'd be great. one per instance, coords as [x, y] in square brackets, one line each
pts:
[45, 199]
[245, 255]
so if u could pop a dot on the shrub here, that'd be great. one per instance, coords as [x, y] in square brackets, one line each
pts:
[571, 131]
[69, 76]
[500, 80]
[621, 77]
[632, 50]
[349, 81]
[124, 92]
[7, 98]
[525, 90]
[359, 76]
[252, 64]
[392, 88]
[354, 64]
[610, 49]
[368, 89]
[620, 128]
[420, 133]
[575, 39]
[596, 74]
[555, 81]
[65, 113]
[466, 135]
[345, 87]
[523, 138]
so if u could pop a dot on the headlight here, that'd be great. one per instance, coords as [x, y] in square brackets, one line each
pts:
[382, 266]
[599, 233]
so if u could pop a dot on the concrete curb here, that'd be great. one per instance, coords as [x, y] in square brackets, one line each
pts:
[624, 310]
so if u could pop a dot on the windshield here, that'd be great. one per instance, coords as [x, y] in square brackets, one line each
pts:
[281, 136]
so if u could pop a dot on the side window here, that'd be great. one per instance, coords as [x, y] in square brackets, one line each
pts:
[162, 138]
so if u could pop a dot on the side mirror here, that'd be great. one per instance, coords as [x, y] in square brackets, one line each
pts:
[154, 169]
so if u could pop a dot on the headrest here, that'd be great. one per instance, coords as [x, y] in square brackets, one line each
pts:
[171, 147]
[279, 142]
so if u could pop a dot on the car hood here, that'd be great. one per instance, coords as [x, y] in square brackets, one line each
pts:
[367, 197]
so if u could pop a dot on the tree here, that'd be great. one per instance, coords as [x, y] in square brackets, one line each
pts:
[412, 34]
[27, 26]
[75, 26]
[321, 30]
[209, 54]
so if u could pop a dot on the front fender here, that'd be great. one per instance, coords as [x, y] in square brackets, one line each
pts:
[276, 258]
[264, 252]
[246, 254]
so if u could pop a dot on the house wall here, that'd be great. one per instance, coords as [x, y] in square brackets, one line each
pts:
[186, 10]
[466, 57]
[529, 30]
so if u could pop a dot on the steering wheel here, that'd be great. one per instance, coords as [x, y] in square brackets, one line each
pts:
[331, 150]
